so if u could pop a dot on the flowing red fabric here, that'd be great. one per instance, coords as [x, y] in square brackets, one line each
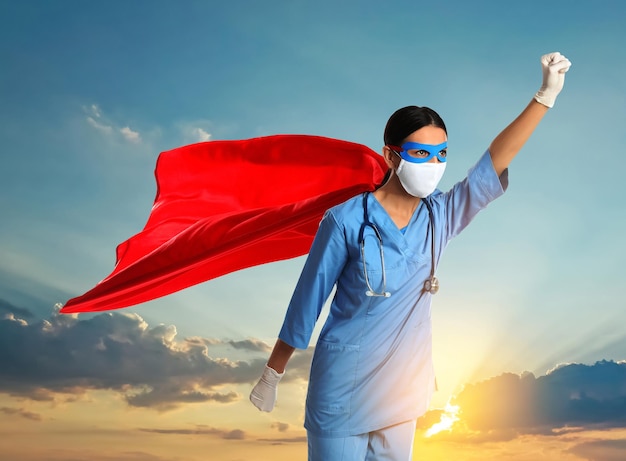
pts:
[222, 206]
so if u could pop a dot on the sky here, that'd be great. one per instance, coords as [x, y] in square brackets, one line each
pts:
[529, 344]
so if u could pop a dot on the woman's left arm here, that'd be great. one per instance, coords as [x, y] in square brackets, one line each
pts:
[508, 143]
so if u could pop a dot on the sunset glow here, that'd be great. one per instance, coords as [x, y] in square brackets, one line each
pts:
[448, 418]
[528, 338]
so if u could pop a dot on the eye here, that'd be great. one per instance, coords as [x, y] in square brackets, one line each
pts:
[443, 153]
[419, 153]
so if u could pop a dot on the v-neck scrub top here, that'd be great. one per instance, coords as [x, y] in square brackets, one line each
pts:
[372, 366]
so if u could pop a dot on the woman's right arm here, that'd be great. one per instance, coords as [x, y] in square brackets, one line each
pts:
[327, 258]
[281, 354]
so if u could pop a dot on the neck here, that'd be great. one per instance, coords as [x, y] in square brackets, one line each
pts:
[395, 200]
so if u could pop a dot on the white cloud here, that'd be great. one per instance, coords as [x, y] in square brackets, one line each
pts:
[201, 134]
[130, 135]
[95, 110]
[106, 129]
[109, 127]
[195, 131]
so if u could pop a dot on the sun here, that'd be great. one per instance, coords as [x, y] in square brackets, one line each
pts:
[448, 418]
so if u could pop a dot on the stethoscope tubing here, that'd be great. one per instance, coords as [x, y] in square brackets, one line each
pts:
[431, 285]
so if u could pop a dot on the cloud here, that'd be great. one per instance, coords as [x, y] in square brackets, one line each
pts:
[108, 127]
[282, 441]
[299, 365]
[171, 398]
[65, 454]
[62, 356]
[116, 129]
[601, 450]
[281, 427]
[234, 434]
[9, 308]
[251, 345]
[200, 134]
[95, 110]
[21, 412]
[196, 131]
[130, 135]
[569, 395]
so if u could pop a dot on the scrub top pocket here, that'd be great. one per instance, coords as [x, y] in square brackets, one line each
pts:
[333, 373]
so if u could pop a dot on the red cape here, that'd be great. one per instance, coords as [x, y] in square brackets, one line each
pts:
[222, 206]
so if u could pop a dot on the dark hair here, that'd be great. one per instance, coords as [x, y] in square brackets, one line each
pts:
[405, 121]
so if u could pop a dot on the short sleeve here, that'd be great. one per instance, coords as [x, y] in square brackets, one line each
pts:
[480, 187]
[326, 260]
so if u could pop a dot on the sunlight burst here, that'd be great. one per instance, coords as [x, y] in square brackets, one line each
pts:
[448, 418]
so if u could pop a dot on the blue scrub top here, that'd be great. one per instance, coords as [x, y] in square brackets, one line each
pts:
[372, 366]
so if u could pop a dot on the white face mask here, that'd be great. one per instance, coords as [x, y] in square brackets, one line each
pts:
[420, 179]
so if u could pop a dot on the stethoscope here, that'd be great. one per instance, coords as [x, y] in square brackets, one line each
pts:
[431, 285]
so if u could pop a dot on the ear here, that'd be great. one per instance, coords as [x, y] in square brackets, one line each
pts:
[391, 158]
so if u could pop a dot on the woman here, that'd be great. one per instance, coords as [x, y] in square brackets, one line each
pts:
[372, 374]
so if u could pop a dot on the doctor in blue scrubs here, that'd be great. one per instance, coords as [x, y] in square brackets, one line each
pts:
[372, 373]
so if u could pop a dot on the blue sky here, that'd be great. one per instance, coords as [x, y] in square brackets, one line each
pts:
[91, 92]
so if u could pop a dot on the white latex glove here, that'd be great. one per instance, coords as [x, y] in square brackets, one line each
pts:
[263, 395]
[554, 66]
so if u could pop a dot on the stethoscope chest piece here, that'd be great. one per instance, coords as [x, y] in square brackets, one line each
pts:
[431, 285]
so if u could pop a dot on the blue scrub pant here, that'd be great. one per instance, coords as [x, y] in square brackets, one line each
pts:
[393, 443]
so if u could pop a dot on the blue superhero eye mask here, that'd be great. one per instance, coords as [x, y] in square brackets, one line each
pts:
[425, 152]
